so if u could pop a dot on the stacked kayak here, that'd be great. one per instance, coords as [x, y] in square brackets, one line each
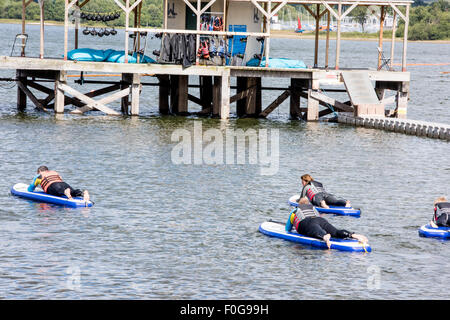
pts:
[440, 232]
[343, 211]
[20, 190]
[277, 230]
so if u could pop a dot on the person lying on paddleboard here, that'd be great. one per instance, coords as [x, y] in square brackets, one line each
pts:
[316, 194]
[441, 217]
[52, 183]
[308, 222]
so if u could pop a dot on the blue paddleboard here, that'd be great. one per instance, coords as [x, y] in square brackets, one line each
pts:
[440, 232]
[343, 211]
[20, 190]
[277, 230]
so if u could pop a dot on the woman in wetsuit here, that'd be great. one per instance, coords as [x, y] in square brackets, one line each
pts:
[307, 222]
[316, 194]
[441, 217]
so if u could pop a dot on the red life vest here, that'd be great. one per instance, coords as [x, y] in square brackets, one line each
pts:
[49, 177]
[304, 211]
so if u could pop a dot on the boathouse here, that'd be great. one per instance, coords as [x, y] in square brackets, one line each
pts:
[237, 34]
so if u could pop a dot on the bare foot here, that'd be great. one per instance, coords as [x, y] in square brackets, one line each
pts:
[347, 204]
[360, 238]
[67, 193]
[326, 238]
[86, 196]
[323, 204]
[434, 225]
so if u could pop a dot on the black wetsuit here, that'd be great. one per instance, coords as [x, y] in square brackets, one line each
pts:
[308, 223]
[442, 214]
[315, 192]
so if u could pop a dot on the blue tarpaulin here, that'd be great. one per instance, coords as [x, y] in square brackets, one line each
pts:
[278, 63]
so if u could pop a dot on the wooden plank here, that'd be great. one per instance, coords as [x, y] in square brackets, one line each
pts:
[405, 39]
[275, 103]
[206, 91]
[359, 88]
[21, 96]
[338, 37]
[394, 28]
[294, 105]
[100, 104]
[240, 95]
[91, 103]
[135, 92]
[330, 101]
[225, 95]
[30, 95]
[380, 38]
[164, 91]
[217, 96]
[183, 88]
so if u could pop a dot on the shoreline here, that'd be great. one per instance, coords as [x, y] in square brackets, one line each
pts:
[282, 34]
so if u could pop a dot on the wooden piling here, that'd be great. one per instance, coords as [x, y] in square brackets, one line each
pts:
[21, 96]
[313, 105]
[164, 92]
[135, 92]
[60, 78]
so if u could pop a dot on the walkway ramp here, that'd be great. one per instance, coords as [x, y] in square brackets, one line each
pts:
[362, 93]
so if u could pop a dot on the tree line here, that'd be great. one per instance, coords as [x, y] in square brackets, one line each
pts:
[428, 21]
[151, 12]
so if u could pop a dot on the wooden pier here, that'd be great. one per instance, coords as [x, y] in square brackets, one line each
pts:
[371, 92]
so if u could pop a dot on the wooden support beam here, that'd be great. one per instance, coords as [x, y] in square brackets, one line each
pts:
[225, 98]
[313, 105]
[135, 92]
[183, 89]
[338, 37]
[30, 95]
[253, 99]
[206, 91]
[21, 96]
[164, 92]
[241, 89]
[91, 103]
[312, 13]
[327, 42]
[405, 39]
[125, 100]
[394, 26]
[275, 104]
[217, 96]
[325, 100]
[196, 100]
[241, 95]
[60, 79]
[294, 105]
[380, 39]
[402, 104]
[316, 40]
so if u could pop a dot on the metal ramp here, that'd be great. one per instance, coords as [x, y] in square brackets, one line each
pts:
[362, 94]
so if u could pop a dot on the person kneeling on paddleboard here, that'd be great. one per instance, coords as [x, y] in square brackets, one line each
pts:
[308, 222]
[441, 217]
[52, 183]
[316, 194]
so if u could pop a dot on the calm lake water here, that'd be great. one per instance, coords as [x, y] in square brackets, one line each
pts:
[160, 230]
